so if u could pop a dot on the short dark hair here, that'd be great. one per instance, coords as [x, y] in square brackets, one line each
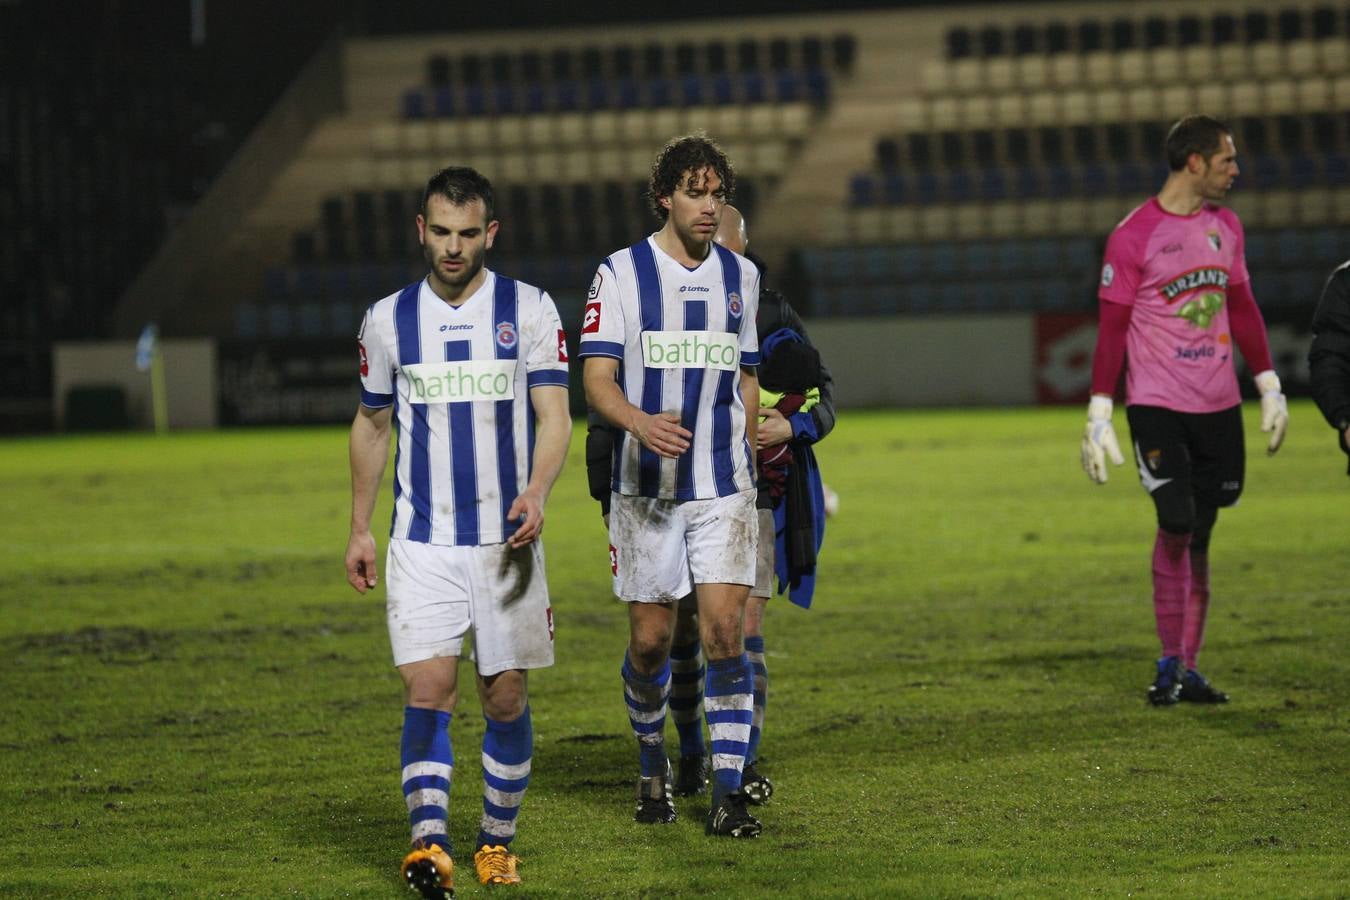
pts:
[1193, 134]
[459, 185]
[690, 153]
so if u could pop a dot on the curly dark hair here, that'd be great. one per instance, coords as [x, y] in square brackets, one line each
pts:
[1193, 134]
[459, 185]
[690, 153]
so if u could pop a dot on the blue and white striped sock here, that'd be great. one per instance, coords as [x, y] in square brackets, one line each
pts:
[507, 750]
[754, 649]
[646, 699]
[686, 696]
[428, 762]
[728, 704]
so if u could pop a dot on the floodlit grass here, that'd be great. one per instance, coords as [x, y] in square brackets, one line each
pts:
[195, 703]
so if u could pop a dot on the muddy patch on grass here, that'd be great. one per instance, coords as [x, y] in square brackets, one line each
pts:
[113, 644]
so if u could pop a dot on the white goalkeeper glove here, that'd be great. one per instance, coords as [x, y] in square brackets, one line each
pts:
[1099, 439]
[1274, 409]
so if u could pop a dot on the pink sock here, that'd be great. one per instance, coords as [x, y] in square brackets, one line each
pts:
[1197, 604]
[1171, 585]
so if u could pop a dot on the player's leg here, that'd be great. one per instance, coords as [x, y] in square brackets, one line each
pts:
[427, 615]
[723, 536]
[686, 699]
[754, 784]
[513, 632]
[1163, 455]
[508, 749]
[1218, 475]
[649, 561]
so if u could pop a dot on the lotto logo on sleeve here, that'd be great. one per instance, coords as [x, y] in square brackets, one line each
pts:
[613, 559]
[459, 382]
[562, 345]
[690, 350]
[590, 321]
[365, 363]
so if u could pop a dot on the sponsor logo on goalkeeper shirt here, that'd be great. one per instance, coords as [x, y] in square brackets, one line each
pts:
[461, 382]
[1205, 276]
[690, 350]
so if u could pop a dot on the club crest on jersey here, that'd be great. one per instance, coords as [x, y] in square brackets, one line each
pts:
[734, 303]
[562, 345]
[1108, 275]
[506, 335]
[1214, 240]
[590, 321]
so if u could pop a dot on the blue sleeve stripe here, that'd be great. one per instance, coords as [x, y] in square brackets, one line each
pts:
[601, 348]
[546, 376]
[750, 359]
[375, 401]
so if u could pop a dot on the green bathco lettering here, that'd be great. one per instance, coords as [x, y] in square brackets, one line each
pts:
[461, 382]
[690, 350]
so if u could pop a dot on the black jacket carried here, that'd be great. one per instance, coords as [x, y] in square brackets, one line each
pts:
[1329, 356]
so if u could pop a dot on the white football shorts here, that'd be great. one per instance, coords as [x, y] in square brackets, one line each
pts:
[659, 549]
[438, 594]
[763, 586]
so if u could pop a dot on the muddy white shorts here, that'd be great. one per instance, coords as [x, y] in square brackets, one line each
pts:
[763, 586]
[659, 549]
[438, 594]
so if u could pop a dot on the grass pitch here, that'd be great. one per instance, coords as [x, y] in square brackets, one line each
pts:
[195, 703]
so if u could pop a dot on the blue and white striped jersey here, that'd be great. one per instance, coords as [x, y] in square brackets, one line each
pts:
[680, 336]
[459, 380]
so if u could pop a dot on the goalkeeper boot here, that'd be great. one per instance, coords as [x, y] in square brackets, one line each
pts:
[1195, 688]
[496, 865]
[756, 788]
[654, 803]
[430, 872]
[730, 818]
[693, 777]
[1166, 688]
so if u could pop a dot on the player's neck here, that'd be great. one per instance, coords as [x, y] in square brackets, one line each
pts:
[689, 255]
[1179, 198]
[456, 295]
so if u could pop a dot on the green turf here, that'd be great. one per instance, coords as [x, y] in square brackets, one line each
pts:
[195, 703]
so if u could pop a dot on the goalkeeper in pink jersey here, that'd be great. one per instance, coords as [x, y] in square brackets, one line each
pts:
[1175, 298]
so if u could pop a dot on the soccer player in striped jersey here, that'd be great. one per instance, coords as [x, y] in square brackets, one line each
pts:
[669, 350]
[473, 368]
[1175, 298]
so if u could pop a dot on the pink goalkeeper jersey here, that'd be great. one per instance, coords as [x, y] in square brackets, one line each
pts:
[1175, 272]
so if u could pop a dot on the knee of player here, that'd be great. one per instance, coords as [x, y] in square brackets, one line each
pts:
[431, 694]
[723, 639]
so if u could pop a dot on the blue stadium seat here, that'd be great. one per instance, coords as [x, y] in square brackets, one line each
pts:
[1265, 173]
[310, 320]
[1019, 295]
[876, 264]
[413, 104]
[958, 186]
[475, 100]
[753, 88]
[597, 94]
[893, 189]
[278, 317]
[536, 99]
[723, 93]
[276, 284]
[1059, 181]
[926, 187]
[1290, 247]
[1258, 249]
[1130, 178]
[787, 86]
[862, 190]
[1303, 171]
[922, 297]
[1092, 178]
[627, 94]
[908, 262]
[955, 296]
[691, 89]
[504, 101]
[1009, 258]
[660, 92]
[1336, 169]
[1027, 182]
[344, 320]
[1043, 255]
[566, 96]
[993, 184]
[980, 262]
[1081, 255]
[817, 87]
[943, 260]
[443, 102]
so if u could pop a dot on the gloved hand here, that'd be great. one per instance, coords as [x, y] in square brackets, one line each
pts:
[1274, 409]
[1099, 439]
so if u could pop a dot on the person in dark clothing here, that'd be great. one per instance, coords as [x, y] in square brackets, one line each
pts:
[1329, 356]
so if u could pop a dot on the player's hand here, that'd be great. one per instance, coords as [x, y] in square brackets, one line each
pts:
[530, 508]
[361, 571]
[1274, 409]
[661, 433]
[1099, 440]
[774, 428]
